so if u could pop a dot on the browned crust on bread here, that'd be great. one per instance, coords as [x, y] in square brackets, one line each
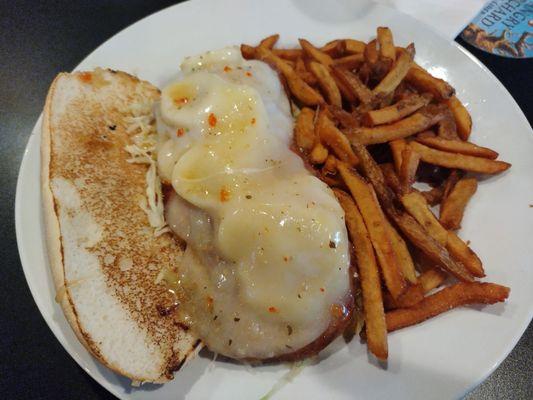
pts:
[81, 147]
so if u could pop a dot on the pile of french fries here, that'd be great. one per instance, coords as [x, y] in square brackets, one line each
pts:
[370, 123]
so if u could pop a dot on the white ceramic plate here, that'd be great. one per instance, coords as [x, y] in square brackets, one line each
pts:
[442, 358]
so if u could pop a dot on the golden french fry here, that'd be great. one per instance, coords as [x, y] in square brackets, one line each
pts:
[413, 295]
[377, 226]
[403, 128]
[386, 43]
[248, 52]
[371, 52]
[319, 154]
[464, 254]
[402, 254]
[304, 129]
[352, 83]
[431, 279]
[326, 83]
[410, 161]
[376, 331]
[330, 166]
[343, 117]
[416, 205]
[453, 296]
[354, 46]
[301, 90]
[425, 82]
[459, 161]
[461, 116]
[315, 54]
[301, 70]
[450, 182]
[288, 54]
[349, 62]
[335, 139]
[335, 48]
[395, 112]
[446, 126]
[434, 195]
[397, 147]
[269, 41]
[458, 146]
[452, 209]
[396, 74]
[391, 177]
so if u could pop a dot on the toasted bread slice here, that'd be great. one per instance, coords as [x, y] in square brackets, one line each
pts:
[103, 253]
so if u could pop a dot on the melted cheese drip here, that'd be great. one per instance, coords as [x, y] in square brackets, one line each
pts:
[267, 250]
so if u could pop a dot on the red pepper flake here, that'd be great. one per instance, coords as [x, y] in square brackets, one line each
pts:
[322, 289]
[180, 132]
[212, 119]
[337, 311]
[209, 302]
[253, 121]
[272, 309]
[86, 77]
[248, 73]
[181, 101]
[224, 195]
[227, 69]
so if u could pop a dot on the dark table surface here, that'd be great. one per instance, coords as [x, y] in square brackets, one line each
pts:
[39, 39]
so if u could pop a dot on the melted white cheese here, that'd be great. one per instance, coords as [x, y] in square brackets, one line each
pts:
[267, 250]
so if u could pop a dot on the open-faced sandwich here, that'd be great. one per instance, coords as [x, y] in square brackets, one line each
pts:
[194, 217]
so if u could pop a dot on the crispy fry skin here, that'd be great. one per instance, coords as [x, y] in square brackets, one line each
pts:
[248, 52]
[425, 82]
[401, 129]
[315, 54]
[452, 209]
[335, 48]
[416, 205]
[391, 177]
[354, 46]
[332, 137]
[431, 279]
[458, 146]
[375, 327]
[301, 70]
[395, 112]
[326, 83]
[397, 147]
[434, 195]
[371, 52]
[269, 41]
[397, 72]
[413, 295]
[319, 154]
[386, 44]
[451, 181]
[454, 296]
[304, 129]
[343, 117]
[288, 54]
[460, 161]
[446, 126]
[376, 225]
[353, 84]
[463, 120]
[464, 254]
[301, 90]
[349, 62]
[410, 161]
[402, 254]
